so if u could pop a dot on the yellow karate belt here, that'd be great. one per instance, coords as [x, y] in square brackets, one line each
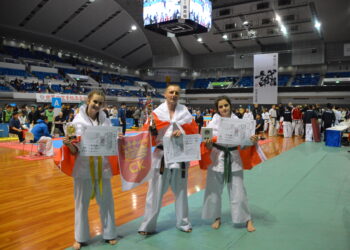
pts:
[92, 173]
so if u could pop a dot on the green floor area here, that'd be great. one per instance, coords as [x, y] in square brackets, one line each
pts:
[298, 200]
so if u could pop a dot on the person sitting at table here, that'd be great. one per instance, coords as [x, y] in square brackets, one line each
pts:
[15, 127]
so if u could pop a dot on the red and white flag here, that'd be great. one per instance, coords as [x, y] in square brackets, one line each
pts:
[135, 159]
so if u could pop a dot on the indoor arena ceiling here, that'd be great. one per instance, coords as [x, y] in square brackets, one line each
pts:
[103, 27]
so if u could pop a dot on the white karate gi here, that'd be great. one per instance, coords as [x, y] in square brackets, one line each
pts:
[83, 186]
[172, 175]
[215, 183]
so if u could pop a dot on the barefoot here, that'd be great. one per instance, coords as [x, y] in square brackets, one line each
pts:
[250, 226]
[112, 242]
[143, 233]
[76, 245]
[216, 224]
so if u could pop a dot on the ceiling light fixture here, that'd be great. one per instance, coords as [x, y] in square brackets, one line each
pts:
[284, 30]
[225, 36]
[317, 25]
[199, 39]
[133, 27]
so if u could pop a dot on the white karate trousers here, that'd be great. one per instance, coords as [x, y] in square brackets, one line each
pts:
[82, 194]
[272, 128]
[157, 187]
[237, 195]
[298, 127]
[287, 129]
[308, 132]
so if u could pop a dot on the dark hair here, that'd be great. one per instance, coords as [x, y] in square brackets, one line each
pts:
[123, 103]
[220, 98]
[329, 105]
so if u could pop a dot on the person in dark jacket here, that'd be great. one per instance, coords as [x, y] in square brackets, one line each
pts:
[15, 127]
[199, 120]
[308, 115]
[328, 118]
[43, 137]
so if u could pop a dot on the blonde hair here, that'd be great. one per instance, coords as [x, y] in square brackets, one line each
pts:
[96, 92]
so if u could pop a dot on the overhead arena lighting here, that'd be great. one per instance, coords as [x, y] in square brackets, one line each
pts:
[133, 27]
[91, 1]
[199, 39]
[317, 25]
[225, 36]
[284, 30]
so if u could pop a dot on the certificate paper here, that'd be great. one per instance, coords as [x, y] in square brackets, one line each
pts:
[182, 149]
[235, 131]
[99, 141]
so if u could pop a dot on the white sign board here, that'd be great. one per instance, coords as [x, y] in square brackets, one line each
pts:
[265, 78]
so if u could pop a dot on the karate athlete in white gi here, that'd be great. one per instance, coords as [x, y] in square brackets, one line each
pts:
[87, 183]
[169, 119]
[220, 173]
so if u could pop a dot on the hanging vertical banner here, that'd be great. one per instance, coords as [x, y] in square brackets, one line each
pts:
[265, 78]
[135, 159]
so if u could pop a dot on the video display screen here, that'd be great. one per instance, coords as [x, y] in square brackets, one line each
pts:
[158, 11]
[200, 12]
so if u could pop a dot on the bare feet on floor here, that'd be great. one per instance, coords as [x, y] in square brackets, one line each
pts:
[144, 233]
[77, 245]
[216, 224]
[111, 242]
[250, 226]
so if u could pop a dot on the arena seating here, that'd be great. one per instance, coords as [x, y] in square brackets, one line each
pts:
[306, 79]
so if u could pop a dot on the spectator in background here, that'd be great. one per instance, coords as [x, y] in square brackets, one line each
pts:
[15, 127]
[248, 115]
[256, 110]
[38, 114]
[43, 137]
[266, 117]
[22, 119]
[105, 109]
[122, 117]
[59, 122]
[328, 119]
[7, 114]
[49, 114]
[1, 114]
[31, 116]
[337, 114]
[308, 115]
[70, 117]
[199, 120]
[297, 121]
[136, 115]
[114, 112]
[259, 129]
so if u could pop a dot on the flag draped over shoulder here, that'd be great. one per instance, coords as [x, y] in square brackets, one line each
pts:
[65, 161]
[250, 156]
[182, 117]
[135, 159]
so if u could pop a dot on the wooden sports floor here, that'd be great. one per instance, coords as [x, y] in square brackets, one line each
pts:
[37, 204]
